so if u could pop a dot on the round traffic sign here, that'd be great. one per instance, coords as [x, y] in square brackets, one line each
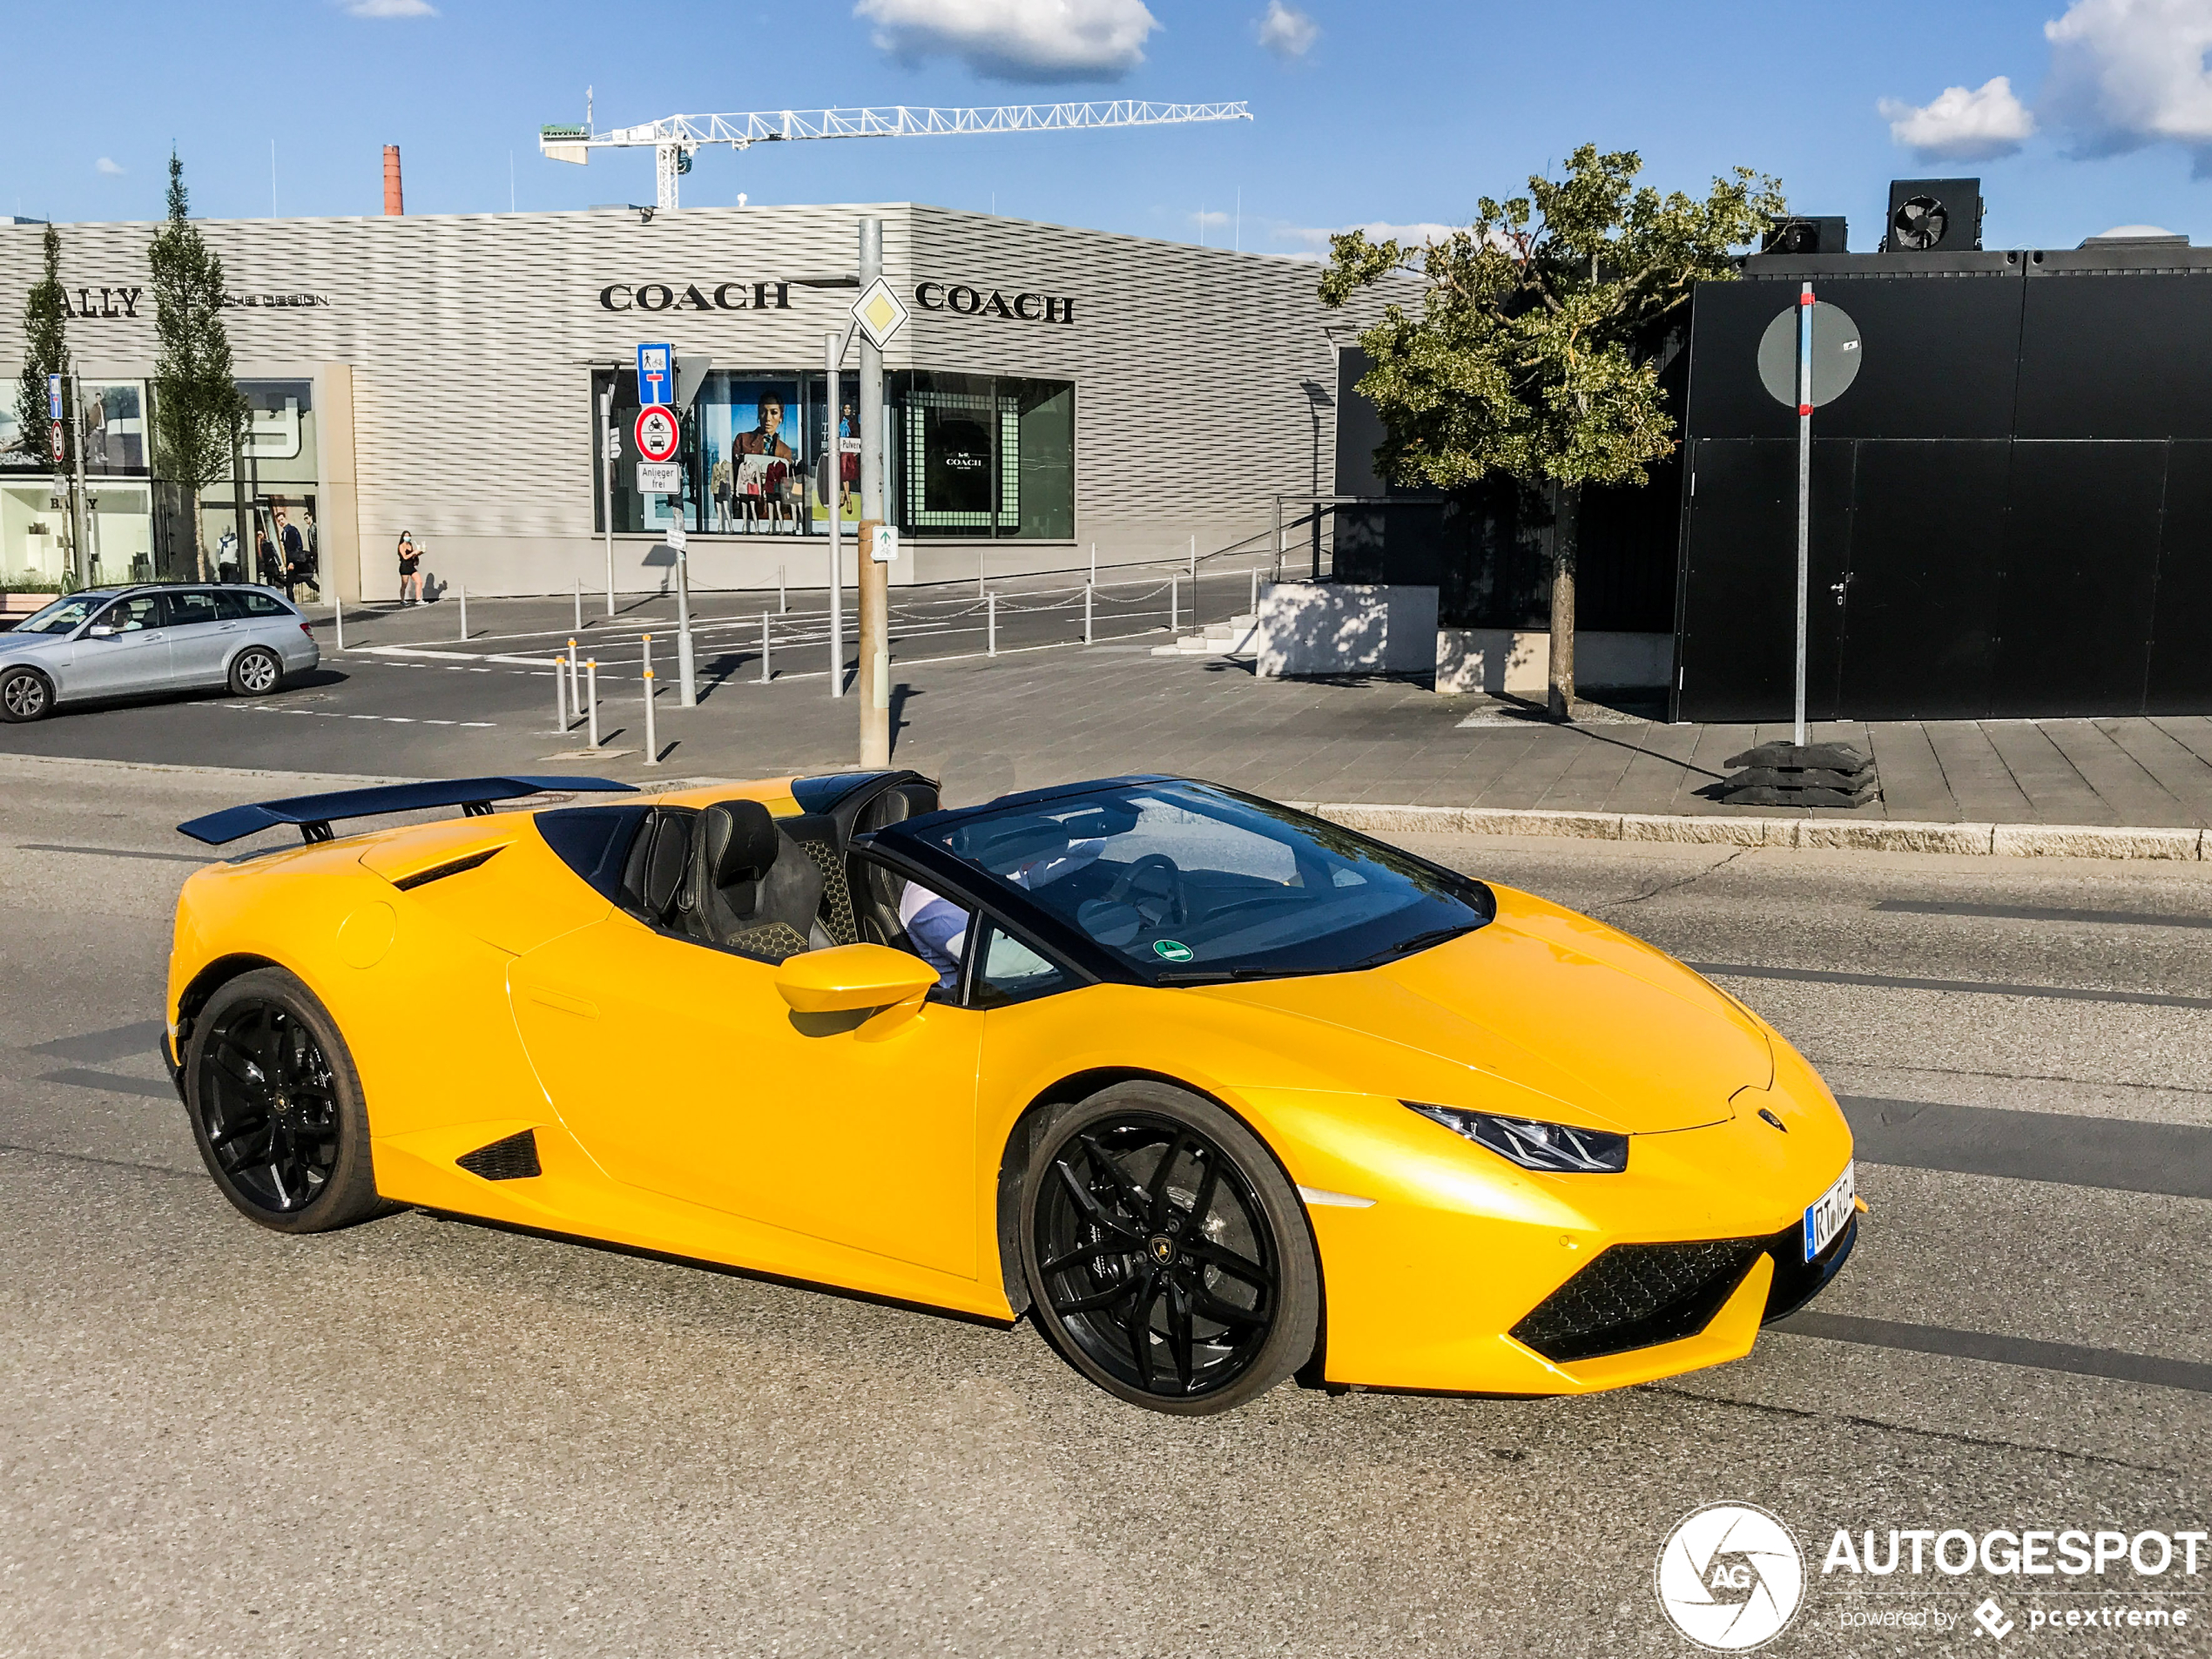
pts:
[658, 432]
[1836, 354]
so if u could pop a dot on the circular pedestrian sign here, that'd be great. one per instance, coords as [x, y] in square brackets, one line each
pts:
[658, 432]
[1836, 354]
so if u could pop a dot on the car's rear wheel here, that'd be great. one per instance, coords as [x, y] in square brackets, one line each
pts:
[276, 1106]
[1168, 1257]
[255, 671]
[25, 695]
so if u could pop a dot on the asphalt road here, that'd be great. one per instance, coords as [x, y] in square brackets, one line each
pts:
[419, 1437]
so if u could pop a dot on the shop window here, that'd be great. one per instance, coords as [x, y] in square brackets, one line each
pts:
[741, 467]
[978, 456]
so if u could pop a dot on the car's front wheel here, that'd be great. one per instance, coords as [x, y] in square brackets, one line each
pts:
[255, 671]
[1168, 1257]
[25, 695]
[276, 1106]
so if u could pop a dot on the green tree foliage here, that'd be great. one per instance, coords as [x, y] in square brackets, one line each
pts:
[199, 412]
[45, 351]
[1535, 351]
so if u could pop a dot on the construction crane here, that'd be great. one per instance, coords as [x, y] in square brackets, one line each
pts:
[675, 139]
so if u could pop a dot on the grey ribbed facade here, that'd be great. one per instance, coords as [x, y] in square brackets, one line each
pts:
[1204, 382]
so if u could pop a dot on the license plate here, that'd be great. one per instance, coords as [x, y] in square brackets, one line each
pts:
[1825, 1216]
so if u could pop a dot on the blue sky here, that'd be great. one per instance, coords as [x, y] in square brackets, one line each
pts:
[1398, 113]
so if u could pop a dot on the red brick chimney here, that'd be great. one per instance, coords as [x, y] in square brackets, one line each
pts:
[393, 204]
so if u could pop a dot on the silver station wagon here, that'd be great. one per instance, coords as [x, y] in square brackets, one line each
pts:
[121, 642]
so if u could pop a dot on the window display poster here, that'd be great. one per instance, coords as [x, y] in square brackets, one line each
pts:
[750, 439]
[840, 473]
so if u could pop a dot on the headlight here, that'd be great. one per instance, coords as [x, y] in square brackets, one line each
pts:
[1553, 1147]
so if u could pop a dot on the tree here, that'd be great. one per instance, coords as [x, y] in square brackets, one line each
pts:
[1535, 352]
[198, 413]
[45, 351]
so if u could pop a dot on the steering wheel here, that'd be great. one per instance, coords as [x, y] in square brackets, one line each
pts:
[1153, 886]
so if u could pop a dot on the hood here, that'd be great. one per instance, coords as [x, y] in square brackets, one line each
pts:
[1620, 1035]
[16, 642]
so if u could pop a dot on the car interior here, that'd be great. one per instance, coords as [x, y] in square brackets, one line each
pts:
[732, 876]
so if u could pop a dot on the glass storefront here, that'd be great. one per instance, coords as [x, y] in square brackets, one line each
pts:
[971, 456]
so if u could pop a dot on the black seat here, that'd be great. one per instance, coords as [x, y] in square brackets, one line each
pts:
[768, 887]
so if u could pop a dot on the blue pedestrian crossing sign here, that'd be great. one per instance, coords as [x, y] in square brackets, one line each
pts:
[53, 397]
[655, 376]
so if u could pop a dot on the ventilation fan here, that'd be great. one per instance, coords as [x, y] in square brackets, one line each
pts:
[1918, 224]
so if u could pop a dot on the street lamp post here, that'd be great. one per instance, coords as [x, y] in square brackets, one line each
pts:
[874, 575]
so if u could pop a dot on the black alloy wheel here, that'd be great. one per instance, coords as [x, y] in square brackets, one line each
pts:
[276, 1107]
[24, 695]
[1168, 1257]
[255, 671]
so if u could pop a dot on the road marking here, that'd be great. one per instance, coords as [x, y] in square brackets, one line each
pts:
[2040, 913]
[2122, 1155]
[421, 651]
[1980, 988]
[2003, 1351]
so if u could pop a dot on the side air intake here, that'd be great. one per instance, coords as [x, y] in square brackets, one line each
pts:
[512, 1159]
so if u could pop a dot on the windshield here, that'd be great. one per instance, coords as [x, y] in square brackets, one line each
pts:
[1189, 883]
[63, 615]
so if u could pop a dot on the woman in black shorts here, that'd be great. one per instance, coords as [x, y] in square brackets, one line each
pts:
[410, 560]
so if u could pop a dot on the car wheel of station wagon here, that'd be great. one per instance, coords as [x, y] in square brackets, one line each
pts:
[24, 695]
[256, 672]
[276, 1107]
[1167, 1259]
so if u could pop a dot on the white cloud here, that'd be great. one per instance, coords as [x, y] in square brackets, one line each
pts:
[391, 8]
[1961, 125]
[107, 165]
[1286, 32]
[1011, 40]
[1207, 217]
[1377, 231]
[2127, 73]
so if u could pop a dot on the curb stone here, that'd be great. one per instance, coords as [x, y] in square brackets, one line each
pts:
[1999, 840]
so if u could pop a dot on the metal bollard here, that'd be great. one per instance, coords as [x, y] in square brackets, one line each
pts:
[560, 694]
[338, 618]
[646, 640]
[591, 685]
[1094, 564]
[980, 592]
[575, 685]
[763, 648]
[783, 592]
[652, 742]
[579, 607]
[1194, 567]
[1089, 588]
[991, 615]
[1253, 609]
[462, 589]
[1175, 606]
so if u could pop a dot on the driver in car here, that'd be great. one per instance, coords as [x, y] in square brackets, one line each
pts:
[1030, 853]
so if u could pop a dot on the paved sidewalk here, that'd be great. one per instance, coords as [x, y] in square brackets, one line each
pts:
[1045, 710]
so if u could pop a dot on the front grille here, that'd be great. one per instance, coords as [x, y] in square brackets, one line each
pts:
[1634, 1296]
[512, 1159]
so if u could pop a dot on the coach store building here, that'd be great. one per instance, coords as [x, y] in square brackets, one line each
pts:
[1054, 388]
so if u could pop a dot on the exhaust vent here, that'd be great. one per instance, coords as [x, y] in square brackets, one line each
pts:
[512, 1159]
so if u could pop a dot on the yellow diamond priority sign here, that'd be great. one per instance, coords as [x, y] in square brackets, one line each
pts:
[878, 313]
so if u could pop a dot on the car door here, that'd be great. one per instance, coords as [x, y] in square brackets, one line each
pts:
[683, 1071]
[201, 633]
[125, 648]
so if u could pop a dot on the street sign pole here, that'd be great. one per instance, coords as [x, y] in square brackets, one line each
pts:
[82, 512]
[878, 315]
[833, 485]
[687, 685]
[1804, 489]
[609, 452]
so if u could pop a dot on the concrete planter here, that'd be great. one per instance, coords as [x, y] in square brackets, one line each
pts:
[1506, 663]
[1309, 629]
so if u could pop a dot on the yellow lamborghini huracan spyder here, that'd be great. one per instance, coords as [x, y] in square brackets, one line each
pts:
[1216, 1092]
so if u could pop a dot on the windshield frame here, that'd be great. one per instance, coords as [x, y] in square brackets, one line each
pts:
[918, 841]
[95, 600]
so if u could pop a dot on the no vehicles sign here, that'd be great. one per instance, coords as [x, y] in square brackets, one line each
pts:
[658, 432]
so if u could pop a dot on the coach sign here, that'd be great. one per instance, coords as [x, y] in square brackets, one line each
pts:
[975, 302]
[690, 296]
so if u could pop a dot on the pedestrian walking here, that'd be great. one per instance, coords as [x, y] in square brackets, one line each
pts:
[299, 567]
[226, 557]
[267, 569]
[410, 563]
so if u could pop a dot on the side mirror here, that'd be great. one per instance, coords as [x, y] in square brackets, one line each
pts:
[848, 978]
[102, 630]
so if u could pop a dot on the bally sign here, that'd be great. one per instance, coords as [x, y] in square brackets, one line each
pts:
[974, 302]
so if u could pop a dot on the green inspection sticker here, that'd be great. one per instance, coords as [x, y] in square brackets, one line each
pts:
[1173, 950]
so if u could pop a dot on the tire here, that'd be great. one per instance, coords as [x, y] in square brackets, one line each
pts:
[276, 1107]
[25, 695]
[1116, 1285]
[255, 671]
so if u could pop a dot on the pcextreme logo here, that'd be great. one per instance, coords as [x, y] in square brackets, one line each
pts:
[1730, 1577]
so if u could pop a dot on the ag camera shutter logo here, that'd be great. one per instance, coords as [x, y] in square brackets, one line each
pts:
[1731, 1576]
